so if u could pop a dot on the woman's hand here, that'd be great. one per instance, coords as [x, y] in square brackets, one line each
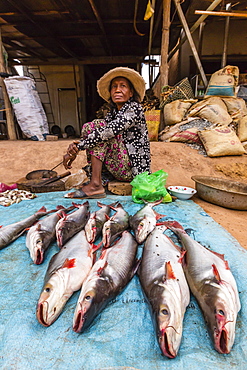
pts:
[71, 155]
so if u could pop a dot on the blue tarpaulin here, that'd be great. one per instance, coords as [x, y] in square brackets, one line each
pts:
[122, 336]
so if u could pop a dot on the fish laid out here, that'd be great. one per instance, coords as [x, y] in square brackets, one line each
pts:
[214, 287]
[108, 276]
[144, 221]
[65, 274]
[40, 235]
[166, 289]
[11, 232]
[94, 225]
[116, 224]
[72, 223]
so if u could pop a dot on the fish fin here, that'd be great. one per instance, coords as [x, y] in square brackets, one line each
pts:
[59, 207]
[169, 271]
[221, 256]
[69, 263]
[76, 205]
[158, 215]
[1, 226]
[173, 224]
[42, 209]
[118, 205]
[216, 273]
[62, 214]
[182, 258]
[107, 217]
[99, 271]
[227, 265]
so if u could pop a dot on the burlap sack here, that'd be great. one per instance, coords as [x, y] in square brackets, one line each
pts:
[187, 136]
[236, 107]
[223, 82]
[175, 111]
[242, 129]
[212, 109]
[221, 141]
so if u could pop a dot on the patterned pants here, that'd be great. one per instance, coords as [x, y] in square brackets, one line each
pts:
[112, 153]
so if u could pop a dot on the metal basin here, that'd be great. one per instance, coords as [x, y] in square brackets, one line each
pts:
[225, 193]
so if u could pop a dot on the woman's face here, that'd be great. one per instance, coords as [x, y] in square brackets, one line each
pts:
[120, 91]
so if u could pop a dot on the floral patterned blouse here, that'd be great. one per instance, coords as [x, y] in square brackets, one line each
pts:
[130, 122]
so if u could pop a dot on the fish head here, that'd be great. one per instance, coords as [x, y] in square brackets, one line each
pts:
[36, 247]
[143, 229]
[168, 317]
[63, 231]
[221, 316]
[106, 233]
[92, 299]
[52, 300]
[91, 229]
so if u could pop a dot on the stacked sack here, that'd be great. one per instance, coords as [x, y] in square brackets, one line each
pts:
[218, 122]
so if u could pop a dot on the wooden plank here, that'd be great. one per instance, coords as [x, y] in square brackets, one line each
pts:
[222, 14]
[7, 104]
[191, 42]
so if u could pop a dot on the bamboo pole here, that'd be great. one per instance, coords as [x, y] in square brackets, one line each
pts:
[193, 28]
[222, 14]
[191, 42]
[164, 68]
[7, 104]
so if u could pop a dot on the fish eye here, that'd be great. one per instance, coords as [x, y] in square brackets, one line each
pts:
[221, 312]
[87, 298]
[164, 311]
[47, 290]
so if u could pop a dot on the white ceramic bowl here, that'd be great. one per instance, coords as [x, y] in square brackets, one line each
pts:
[181, 192]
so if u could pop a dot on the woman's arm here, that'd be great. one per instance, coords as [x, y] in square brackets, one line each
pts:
[125, 118]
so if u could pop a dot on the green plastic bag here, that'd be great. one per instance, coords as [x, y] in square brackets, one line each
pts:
[150, 187]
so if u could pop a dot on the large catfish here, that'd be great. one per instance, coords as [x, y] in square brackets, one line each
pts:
[115, 225]
[109, 275]
[40, 235]
[94, 225]
[144, 221]
[214, 287]
[65, 274]
[72, 223]
[11, 232]
[166, 289]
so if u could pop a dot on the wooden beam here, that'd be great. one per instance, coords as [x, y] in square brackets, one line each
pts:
[222, 14]
[164, 68]
[212, 6]
[29, 15]
[101, 25]
[7, 104]
[191, 42]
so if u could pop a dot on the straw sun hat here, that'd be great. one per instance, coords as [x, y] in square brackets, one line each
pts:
[103, 84]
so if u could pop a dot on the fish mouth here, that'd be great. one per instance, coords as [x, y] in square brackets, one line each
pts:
[39, 257]
[166, 347]
[77, 327]
[42, 312]
[221, 342]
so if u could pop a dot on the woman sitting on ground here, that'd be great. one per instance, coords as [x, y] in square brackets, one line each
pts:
[120, 141]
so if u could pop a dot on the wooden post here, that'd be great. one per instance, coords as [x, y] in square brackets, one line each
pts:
[224, 54]
[191, 42]
[164, 68]
[7, 104]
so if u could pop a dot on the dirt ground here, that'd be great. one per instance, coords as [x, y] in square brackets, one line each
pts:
[17, 158]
